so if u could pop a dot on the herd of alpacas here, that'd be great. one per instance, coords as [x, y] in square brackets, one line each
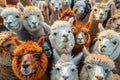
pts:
[59, 39]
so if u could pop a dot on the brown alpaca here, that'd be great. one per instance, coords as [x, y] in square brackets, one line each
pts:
[8, 42]
[26, 2]
[29, 61]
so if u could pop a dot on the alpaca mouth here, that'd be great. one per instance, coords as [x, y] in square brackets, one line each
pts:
[26, 71]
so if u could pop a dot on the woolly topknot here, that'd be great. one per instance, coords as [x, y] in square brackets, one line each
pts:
[10, 11]
[101, 60]
[60, 23]
[6, 35]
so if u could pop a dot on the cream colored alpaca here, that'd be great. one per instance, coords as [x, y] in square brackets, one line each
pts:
[65, 67]
[66, 4]
[33, 21]
[13, 22]
[8, 42]
[97, 67]
[61, 37]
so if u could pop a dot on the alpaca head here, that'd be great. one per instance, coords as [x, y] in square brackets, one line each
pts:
[101, 9]
[8, 43]
[11, 17]
[81, 6]
[97, 67]
[56, 5]
[114, 21]
[29, 61]
[65, 67]
[32, 17]
[66, 2]
[61, 34]
[107, 41]
[82, 36]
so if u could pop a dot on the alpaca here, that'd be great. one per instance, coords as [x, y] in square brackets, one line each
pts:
[66, 4]
[84, 9]
[13, 22]
[97, 67]
[26, 2]
[44, 7]
[29, 61]
[108, 42]
[65, 67]
[8, 43]
[33, 21]
[101, 10]
[61, 37]
[114, 22]
[55, 6]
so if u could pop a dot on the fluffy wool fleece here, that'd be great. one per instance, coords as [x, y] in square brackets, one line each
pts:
[39, 65]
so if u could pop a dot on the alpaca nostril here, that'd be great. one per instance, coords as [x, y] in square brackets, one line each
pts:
[65, 77]
[99, 77]
[9, 23]
[34, 23]
[65, 35]
[26, 65]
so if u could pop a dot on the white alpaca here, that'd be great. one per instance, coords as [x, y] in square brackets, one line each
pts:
[13, 22]
[55, 6]
[65, 67]
[61, 37]
[107, 42]
[66, 4]
[97, 67]
[33, 21]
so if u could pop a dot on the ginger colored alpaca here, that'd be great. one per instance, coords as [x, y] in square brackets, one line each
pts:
[29, 61]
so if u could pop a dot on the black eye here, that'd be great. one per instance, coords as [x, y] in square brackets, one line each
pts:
[89, 67]
[17, 16]
[19, 57]
[37, 56]
[85, 33]
[54, 34]
[26, 17]
[4, 17]
[95, 10]
[72, 70]
[38, 15]
[8, 45]
[52, 3]
[114, 19]
[99, 39]
[59, 3]
[58, 69]
[114, 42]
[106, 70]
[69, 31]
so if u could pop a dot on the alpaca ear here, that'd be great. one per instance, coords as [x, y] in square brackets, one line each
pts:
[34, 2]
[92, 2]
[1, 8]
[71, 21]
[55, 55]
[77, 58]
[75, 10]
[20, 6]
[18, 41]
[41, 40]
[85, 52]
[109, 3]
[4, 2]
[101, 28]
[39, 5]
[46, 26]
[113, 9]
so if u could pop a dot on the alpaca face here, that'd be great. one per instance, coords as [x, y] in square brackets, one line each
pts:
[66, 2]
[33, 22]
[97, 72]
[81, 37]
[11, 19]
[107, 46]
[81, 6]
[27, 65]
[65, 71]
[115, 24]
[56, 5]
[101, 13]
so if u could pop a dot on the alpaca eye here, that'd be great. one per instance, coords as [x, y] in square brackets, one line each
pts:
[26, 17]
[59, 3]
[17, 16]
[95, 10]
[85, 33]
[114, 42]
[52, 3]
[69, 31]
[8, 45]
[114, 19]
[54, 34]
[37, 56]
[19, 57]
[38, 15]
[72, 70]
[89, 67]
[106, 70]
[106, 10]
[58, 69]
[99, 39]
[4, 17]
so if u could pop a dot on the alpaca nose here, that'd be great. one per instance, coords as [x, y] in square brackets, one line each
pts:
[26, 65]
[65, 35]
[99, 77]
[103, 46]
[9, 23]
[34, 23]
[65, 77]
